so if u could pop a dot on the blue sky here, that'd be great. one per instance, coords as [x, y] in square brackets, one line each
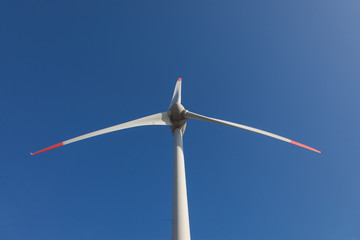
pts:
[71, 67]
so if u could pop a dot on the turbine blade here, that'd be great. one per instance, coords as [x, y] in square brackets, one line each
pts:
[190, 115]
[177, 93]
[156, 119]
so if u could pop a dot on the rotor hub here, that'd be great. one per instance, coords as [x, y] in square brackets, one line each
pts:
[177, 116]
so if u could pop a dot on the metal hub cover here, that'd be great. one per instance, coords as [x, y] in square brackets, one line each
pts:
[176, 115]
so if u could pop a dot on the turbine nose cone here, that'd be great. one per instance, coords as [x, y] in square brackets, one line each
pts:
[176, 112]
[176, 115]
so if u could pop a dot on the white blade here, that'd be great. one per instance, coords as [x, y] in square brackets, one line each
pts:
[156, 119]
[190, 115]
[177, 93]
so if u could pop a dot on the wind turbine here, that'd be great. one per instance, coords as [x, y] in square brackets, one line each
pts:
[176, 118]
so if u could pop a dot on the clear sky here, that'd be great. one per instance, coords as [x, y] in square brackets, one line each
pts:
[288, 67]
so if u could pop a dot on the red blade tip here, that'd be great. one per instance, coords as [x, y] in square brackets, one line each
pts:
[304, 146]
[48, 148]
[179, 79]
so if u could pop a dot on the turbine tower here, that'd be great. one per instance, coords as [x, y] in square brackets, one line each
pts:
[176, 118]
